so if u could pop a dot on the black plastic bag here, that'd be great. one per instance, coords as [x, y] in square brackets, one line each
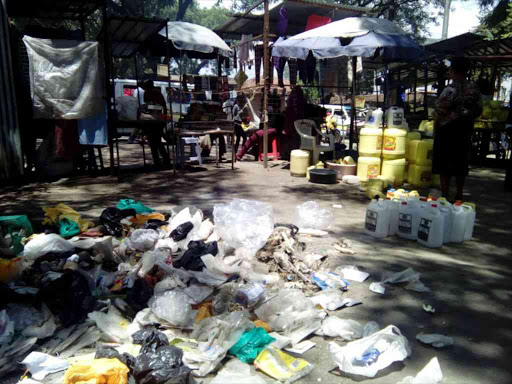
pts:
[111, 353]
[111, 220]
[158, 362]
[154, 224]
[191, 259]
[182, 231]
[68, 297]
[138, 296]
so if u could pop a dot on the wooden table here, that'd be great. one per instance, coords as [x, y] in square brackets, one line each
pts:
[201, 128]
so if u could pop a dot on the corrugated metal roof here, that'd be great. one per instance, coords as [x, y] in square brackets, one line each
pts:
[129, 33]
[53, 9]
[298, 14]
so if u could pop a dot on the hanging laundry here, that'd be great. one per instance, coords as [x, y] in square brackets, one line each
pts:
[315, 21]
[245, 46]
[282, 23]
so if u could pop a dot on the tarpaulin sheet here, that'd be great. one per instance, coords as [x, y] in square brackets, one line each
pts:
[64, 78]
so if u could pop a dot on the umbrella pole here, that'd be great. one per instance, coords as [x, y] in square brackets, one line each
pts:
[353, 106]
[266, 62]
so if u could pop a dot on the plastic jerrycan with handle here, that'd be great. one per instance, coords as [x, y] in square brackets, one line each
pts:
[458, 223]
[393, 206]
[406, 213]
[395, 117]
[470, 210]
[430, 231]
[446, 210]
[377, 219]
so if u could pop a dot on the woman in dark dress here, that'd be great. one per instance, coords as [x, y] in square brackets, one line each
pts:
[456, 110]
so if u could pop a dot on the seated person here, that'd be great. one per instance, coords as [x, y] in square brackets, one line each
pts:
[257, 135]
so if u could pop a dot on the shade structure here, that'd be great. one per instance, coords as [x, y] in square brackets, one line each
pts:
[375, 37]
[192, 37]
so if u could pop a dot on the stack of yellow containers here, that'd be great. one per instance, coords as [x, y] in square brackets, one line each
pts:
[394, 147]
[370, 150]
[419, 155]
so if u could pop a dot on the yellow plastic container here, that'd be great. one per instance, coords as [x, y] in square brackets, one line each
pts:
[393, 146]
[420, 152]
[299, 162]
[394, 169]
[426, 126]
[414, 135]
[370, 142]
[368, 168]
[420, 175]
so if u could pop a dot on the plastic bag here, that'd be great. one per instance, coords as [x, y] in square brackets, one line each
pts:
[182, 231]
[45, 329]
[158, 362]
[205, 230]
[282, 366]
[111, 353]
[191, 259]
[113, 325]
[135, 205]
[250, 294]
[142, 239]
[198, 293]
[437, 341]
[13, 224]
[40, 364]
[68, 297]
[68, 228]
[42, 244]
[310, 215]
[330, 280]
[244, 223]
[6, 328]
[332, 299]
[111, 220]
[173, 307]
[347, 329]
[369, 355]
[64, 216]
[430, 374]
[236, 372]
[98, 371]
[409, 276]
[251, 344]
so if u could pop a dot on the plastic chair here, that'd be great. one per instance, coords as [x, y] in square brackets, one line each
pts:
[274, 155]
[308, 142]
[195, 149]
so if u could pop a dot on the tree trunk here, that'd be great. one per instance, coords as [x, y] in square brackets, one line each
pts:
[182, 9]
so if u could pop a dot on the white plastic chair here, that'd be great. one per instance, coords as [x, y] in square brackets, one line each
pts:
[195, 149]
[308, 142]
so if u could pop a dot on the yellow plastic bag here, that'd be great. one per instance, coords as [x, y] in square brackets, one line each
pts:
[100, 371]
[282, 366]
[9, 269]
[61, 211]
[140, 220]
[262, 324]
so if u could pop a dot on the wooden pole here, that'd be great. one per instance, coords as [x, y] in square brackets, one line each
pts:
[353, 106]
[266, 71]
[425, 102]
[108, 87]
[415, 87]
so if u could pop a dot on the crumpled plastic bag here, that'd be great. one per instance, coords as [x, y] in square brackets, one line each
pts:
[409, 276]
[347, 329]
[42, 244]
[6, 328]
[142, 239]
[53, 215]
[111, 220]
[430, 374]
[332, 299]
[309, 215]
[17, 226]
[236, 372]
[191, 259]
[135, 205]
[111, 353]
[205, 230]
[173, 307]
[107, 371]
[113, 325]
[282, 366]
[244, 223]
[182, 231]
[369, 355]
[249, 346]
[41, 364]
[46, 329]
[436, 340]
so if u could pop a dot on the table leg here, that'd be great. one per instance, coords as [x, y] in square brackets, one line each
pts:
[232, 151]
[218, 153]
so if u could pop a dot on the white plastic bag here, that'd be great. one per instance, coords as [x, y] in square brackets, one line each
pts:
[173, 307]
[236, 372]
[310, 215]
[113, 325]
[40, 364]
[431, 374]
[409, 276]
[205, 230]
[6, 328]
[369, 355]
[43, 244]
[332, 299]
[46, 329]
[436, 340]
[244, 223]
[142, 239]
[347, 329]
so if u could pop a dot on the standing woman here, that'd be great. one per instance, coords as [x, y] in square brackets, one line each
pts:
[237, 118]
[457, 108]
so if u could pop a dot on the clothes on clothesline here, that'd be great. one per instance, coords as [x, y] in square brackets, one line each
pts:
[93, 130]
[315, 21]
[246, 45]
[282, 22]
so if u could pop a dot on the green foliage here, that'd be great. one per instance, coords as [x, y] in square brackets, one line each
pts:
[497, 23]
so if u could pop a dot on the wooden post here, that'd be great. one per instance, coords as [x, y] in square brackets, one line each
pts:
[415, 86]
[425, 102]
[266, 71]
[108, 87]
[353, 104]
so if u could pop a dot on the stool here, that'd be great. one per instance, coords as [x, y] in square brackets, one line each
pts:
[195, 149]
[274, 144]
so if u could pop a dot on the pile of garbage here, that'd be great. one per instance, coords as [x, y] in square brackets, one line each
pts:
[159, 297]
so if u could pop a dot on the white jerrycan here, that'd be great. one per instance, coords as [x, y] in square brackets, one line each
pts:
[458, 223]
[431, 231]
[406, 214]
[377, 219]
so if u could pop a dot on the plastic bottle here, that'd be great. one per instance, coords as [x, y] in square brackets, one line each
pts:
[377, 219]
[376, 118]
[469, 209]
[430, 231]
[390, 193]
[458, 223]
[395, 117]
[406, 214]
[393, 205]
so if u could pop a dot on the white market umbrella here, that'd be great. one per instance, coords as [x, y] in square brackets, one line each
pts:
[192, 37]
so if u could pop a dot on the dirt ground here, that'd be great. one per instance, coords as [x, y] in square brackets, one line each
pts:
[470, 282]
